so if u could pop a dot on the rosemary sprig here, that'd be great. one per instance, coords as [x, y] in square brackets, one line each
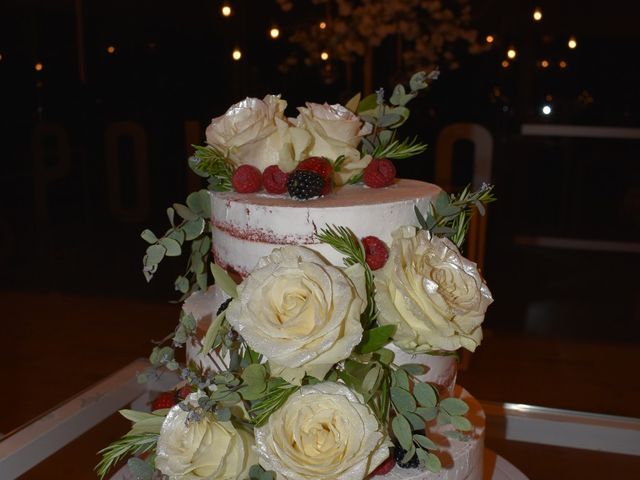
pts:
[449, 216]
[126, 446]
[211, 163]
[398, 150]
[278, 392]
[344, 241]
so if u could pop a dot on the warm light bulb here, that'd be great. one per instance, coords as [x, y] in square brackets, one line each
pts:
[38, 66]
[546, 109]
[111, 49]
[537, 14]
[489, 38]
[544, 63]
[237, 54]
[324, 56]
[511, 53]
[562, 64]
[323, 25]
[504, 64]
[572, 43]
[226, 10]
[274, 32]
[0, 57]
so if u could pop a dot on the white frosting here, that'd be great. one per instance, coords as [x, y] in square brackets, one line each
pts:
[249, 226]
[441, 369]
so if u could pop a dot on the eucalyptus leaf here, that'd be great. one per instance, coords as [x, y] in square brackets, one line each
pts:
[403, 400]
[433, 463]
[184, 211]
[148, 236]
[454, 406]
[193, 228]
[401, 379]
[172, 247]
[425, 394]
[442, 231]
[414, 368]
[418, 81]
[376, 338]
[197, 265]
[385, 136]
[389, 119]
[423, 457]
[370, 382]
[193, 202]
[205, 203]
[370, 102]
[205, 245]
[461, 423]
[201, 280]
[140, 469]
[409, 454]
[254, 374]
[136, 416]
[223, 414]
[397, 95]
[188, 320]
[155, 254]
[427, 413]
[456, 435]
[443, 418]
[425, 442]
[177, 235]
[224, 281]
[417, 423]
[385, 356]
[182, 284]
[171, 216]
[402, 431]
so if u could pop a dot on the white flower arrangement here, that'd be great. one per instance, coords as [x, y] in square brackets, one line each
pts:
[305, 386]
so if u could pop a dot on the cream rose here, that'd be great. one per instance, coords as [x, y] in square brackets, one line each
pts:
[254, 132]
[298, 311]
[335, 131]
[206, 449]
[432, 293]
[323, 431]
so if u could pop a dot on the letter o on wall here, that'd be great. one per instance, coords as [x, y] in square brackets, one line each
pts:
[138, 209]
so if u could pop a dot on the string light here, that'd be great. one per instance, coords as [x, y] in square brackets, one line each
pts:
[226, 10]
[546, 109]
[324, 56]
[548, 97]
[0, 57]
[562, 64]
[537, 14]
[274, 32]
[489, 38]
[323, 25]
[511, 53]
[237, 54]
[572, 43]
[38, 66]
[505, 64]
[544, 63]
[111, 49]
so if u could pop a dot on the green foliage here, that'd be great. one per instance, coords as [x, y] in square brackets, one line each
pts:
[128, 445]
[256, 472]
[276, 393]
[141, 470]
[211, 163]
[449, 216]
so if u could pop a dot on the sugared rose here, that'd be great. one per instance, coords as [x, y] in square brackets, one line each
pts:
[298, 311]
[434, 295]
[323, 431]
[204, 449]
[252, 132]
[335, 131]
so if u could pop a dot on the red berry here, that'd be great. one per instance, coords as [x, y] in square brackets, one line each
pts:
[274, 179]
[246, 179]
[184, 392]
[379, 173]
[322, 167]
[385, 467]
[164, 400]
[376, 252]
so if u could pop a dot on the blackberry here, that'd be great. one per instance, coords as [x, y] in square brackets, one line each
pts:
[399, 454]
[305, 184]
[224, 306]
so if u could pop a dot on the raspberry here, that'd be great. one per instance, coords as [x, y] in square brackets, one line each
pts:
[322, 167]
[274, 179]
[304, 184]
[385, 467]
[223, 306]
[164, 400]
[246, 179]
[399, 454]
[379, 173]
[376, 252]
[184, 392]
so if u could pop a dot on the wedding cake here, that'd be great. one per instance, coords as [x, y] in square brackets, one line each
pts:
[325, 347]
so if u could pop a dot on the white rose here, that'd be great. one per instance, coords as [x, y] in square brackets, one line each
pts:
[252, 132]
[324, 431]
[335, 131]
[432, 293]
[206, 449]
[298, 311]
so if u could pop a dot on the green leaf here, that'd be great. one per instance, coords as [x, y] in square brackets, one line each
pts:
[178, 236]
[418, 81]
[370, 102]
[413, 368]
[402, 430]
[212, 333]
[454, 406]
[397, 95]
[155, 254]
[370, 382]
[353, 103]
[201, 280]
[171, 216]
[193, 202]
[224, 281]
[172, 247]
[417, 423]
[205, 203]
[385, 356]
[193, 228]
[135, 415]
[403, 400]
[182, 284]
[427, 413]
[425, 442]
[140, 469]
[376, 338]
[433, 463]
[401, 379]
[389, 120]
[223, 414]
[425, 394]
[254, 374]
[184, 211]
[411, 451]
[461, 423]
[148, 236]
